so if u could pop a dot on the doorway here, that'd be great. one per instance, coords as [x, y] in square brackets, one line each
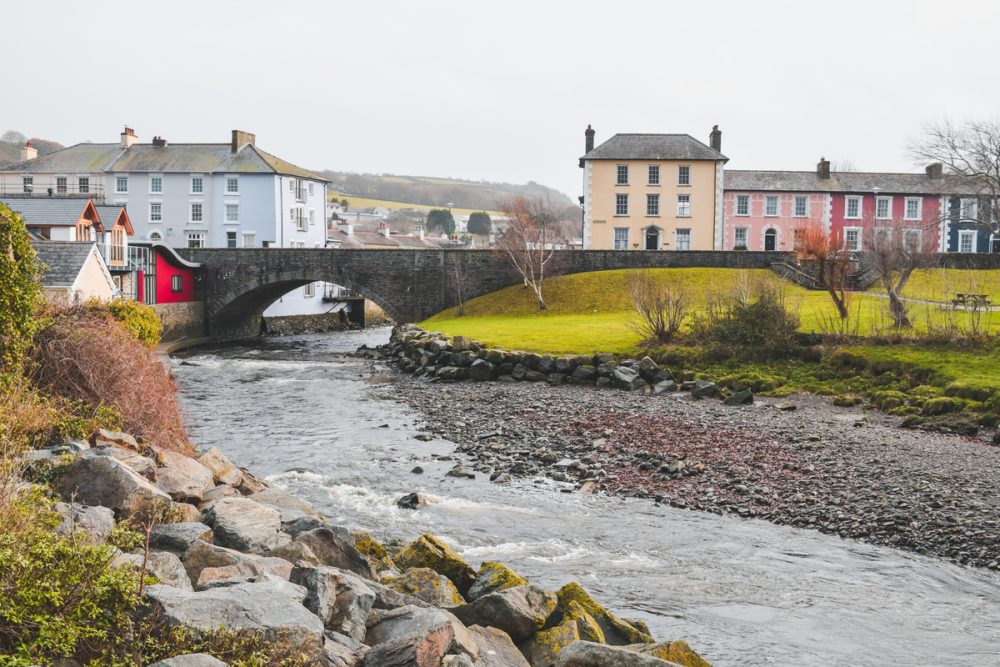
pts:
[652, 238]
[770, 240]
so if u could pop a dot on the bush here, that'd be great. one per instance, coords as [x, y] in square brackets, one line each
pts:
[138, 319]
[20, 291]
[753, 322]
[660, 307]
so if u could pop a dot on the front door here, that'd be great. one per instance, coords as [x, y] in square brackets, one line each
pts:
[995, 245]
[652, 239]
[770, 240]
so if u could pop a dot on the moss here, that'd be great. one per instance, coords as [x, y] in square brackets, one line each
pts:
[677, 652]
[942, 405]
[846, 400]
[586, 625]
[493, 577]
[545, 646]
[888, 400]
[616, 631]
[429, 551]
[373, 550]
[427, 585]
[755, 382]
[972, 392]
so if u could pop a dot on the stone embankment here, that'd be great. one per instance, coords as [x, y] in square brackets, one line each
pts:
[229, 550]
[799, 462]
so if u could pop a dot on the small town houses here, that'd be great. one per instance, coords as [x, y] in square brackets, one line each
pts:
[672, 192]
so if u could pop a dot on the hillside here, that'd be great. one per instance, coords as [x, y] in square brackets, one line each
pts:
[10, 153]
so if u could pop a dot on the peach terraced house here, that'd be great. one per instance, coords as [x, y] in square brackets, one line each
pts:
[653, 192]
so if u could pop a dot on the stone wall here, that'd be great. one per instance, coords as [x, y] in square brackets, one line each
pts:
[290, 325]
[181, 320]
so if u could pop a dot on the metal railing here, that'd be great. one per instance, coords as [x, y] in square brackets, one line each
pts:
[47, 188]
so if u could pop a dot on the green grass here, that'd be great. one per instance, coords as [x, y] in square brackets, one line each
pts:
[368, 202]
[942, 284]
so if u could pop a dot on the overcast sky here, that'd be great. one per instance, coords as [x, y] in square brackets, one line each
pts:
[502, 90]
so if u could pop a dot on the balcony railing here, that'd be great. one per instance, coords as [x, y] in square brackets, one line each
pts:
[48, 189]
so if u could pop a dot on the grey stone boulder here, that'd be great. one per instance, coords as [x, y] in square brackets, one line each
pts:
[208, 563]
[340, 599]
[387, 598]
[245, 525]
[224, 470]
[292, 508]
[106, 481]
[648, 369]
[744, 397]
[165, 566]
[105, 438]
[190, 660]
[519, 371]
[183, 478]
[664, 386]
[97, 522]
[481, 370]
[143, 465]
[218, 493]
[334, 546]
[273, 608]
[702, 389]
[627, 378]
[418, 649]
[589, 654]
[585, 373]
[427, 585]
[343, 651]
[520, 611]
[496, 648]
[450, 373]
[404, 622]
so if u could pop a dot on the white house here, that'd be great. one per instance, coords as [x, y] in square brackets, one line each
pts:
[74, 272]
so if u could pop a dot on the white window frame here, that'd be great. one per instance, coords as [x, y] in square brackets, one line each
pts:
[177, 283]
[857, 244]
[652, 205]
[232, 238]
[201, 184]
[83, 185]
[309, 291]
[620, 243]
[678, 233]
[653, 169]
[919, 201]
[737, 233]
[907, 233]
[804, 199]
[312, 217]
[742, 199]
[683, 206]
[310, 188]
[887, 200]
[768, 200]
[232, 179]
[621, 169]
[227, 206]
[249, 239]
[198, 237]
[201, 212]
[968, 209]
[848, 200]
[119, 179]
[621, 204]
[684, 175]
[62, 187]
[155, 236]
[158, 215]
[967, 234]
[27, 184]
[885, 231]
[153, 178]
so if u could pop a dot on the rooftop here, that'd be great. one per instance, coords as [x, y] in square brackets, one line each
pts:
[653, 147]
[63, 261]
[849, 181]
[47, 212]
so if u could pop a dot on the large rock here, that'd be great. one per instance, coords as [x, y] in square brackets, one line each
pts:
[190, 660]
[103, 480]
[335, 547]
[627, 378]
[496, 648]
[396, 624]
[492, 578]
[427, 585]
[648, 369]
[588, 654]
[520, 611]
[178, 537]
[273, 608]
[343, 651]
[616, 631]
[183, 478]
[105, 438]
[97, 522]
[165, 566]
[418, 649]
[224, 470]
[704, 389]
[544, 648]
[340, 599]
[143, 465]
[292, 508]
[674, 652]
[429, 551]
[245, 525]
[208, 563]
[744, 397]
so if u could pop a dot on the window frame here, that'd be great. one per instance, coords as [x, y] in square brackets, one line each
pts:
[309, 290]
[199, 237]
[804, 199]
[684, 203]
[621, 205]
[201, 184]
[620, 241]
[83, 185]
[248, 236]
[159, 213]
[653, 168]
[677, 238]
[177, 283]
[967, 234]
[620, 170]
[746, 237]
[231, 178]
[684, 175]
[860, 239]
[736, 205]
[231, 239]
[768, 199]
[62, 185]
[853, 199]
[225, 213]
[909, 231]
[153, 178]
[652, 205]
[887, 200]
[201, 212]
[919, 201]
[119, 179]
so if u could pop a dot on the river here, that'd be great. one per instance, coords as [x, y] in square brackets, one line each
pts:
[301, 412]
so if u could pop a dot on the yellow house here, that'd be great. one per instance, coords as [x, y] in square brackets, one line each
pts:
[653, 192]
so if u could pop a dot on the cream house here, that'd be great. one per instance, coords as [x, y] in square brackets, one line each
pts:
[653, 192]
[74, 272]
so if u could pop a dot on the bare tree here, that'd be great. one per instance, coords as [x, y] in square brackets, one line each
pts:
[527, 240]
[459, 275]
[13, 137]
[892, 251]
[972, 150]
[660, 307]
[843, 164]
[832, 261]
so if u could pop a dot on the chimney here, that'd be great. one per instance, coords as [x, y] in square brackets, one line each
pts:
[346, 227]
[128, 137]
[715, 139]
[823, 168]
[242, 139]
[935, 170]
[418, 231]
[383, 229]
[159, 142]
[28, 152]
[588, 144]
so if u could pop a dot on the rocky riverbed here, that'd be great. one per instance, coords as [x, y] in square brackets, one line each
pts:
[800, 461]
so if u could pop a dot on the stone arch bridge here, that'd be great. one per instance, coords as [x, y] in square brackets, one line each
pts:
[409, 285]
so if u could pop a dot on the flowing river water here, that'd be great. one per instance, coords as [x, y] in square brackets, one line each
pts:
[303, 413]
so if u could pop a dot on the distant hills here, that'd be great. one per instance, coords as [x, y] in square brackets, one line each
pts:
[10, 152]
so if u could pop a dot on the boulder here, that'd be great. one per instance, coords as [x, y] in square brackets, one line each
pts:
[535, 376]
[374, 551]
[481, 370]
[292, 508]
[334, 546]
[585, 373]
[519, 611]
[519, 371]
[103, 480]
[273, 608]
[184, 513]
[297, 553]
[343, 651]
[411, 501]
[744, 397]
[427, 585]
[224, 470]
[664, 386]
[97, 522]
[190, 660]
[418, 649]
[616, 631]
[218, 493]
[648, 369]
[207, 563]
[496, 648]
[674, 652]
[703, 389]
[429, 551]
[340, 599]
[587, 627]
[143, 465]
[564, 365]
[178, 537]
[165, 566]
[387, 626]
[183, 478]
[461, 344]
[494, 577]
[589, 654]
[627, 378]
[245, 525]
[544, 648]
[105, 438]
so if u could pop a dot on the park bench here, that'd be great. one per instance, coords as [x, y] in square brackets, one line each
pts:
[975, 301]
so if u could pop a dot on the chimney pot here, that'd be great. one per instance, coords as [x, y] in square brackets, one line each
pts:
[715, 139]
[935, 170]
[588, 144]
[823, 168]
[241, 140]
[28, 152]
[128, 137]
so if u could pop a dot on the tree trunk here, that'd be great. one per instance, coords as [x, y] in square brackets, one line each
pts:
[897, 307]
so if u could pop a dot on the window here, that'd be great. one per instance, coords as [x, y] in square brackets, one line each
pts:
[912, 240]
[312, 217]
[683, 206]
[249, 239]
[83, 185]
[621, 238]
[121, 184]
[621, 204]
[622, 174]
[740, 238]
[684, 175]
[913, 206]
[196, 212]
[299, 218]
[967, 240]
[310, 188]
[883, 208]
[196, 239]
[771, 205]
[232, 212]
[232, 185]
[28, 184]
[852, 238]
[197, 185]
[852, 208]
[800, 206]
[742, 204]
[177, 281]
[230, 239]
[155, 236]
[654, 174]
[683, 239]
[291, 185]
[156, 184]
[798, 237]
[155, 211]
[652, 204]
[61, 185]
[968, 209]
[309, 290]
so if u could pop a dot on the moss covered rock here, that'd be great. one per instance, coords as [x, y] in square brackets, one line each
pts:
[586, 625]
[846, 400]
[427, 585]
[373, 550]
[888, 400]
[616, 631]
[942, 405]
[676, 652]
[429, 551]
[494, 577]
[543, 649]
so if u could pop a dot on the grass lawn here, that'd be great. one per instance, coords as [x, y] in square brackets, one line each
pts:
[365, 202]
[942, 284]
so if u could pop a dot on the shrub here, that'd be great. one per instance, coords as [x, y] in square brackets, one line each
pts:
[138, 319]
[660, 307]
[20, 291]
[753, 322]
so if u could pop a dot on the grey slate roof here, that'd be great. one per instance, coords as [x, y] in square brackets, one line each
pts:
[39, 212]
[109, 214]
[847, 181]
[63, 261]
[653, 147]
